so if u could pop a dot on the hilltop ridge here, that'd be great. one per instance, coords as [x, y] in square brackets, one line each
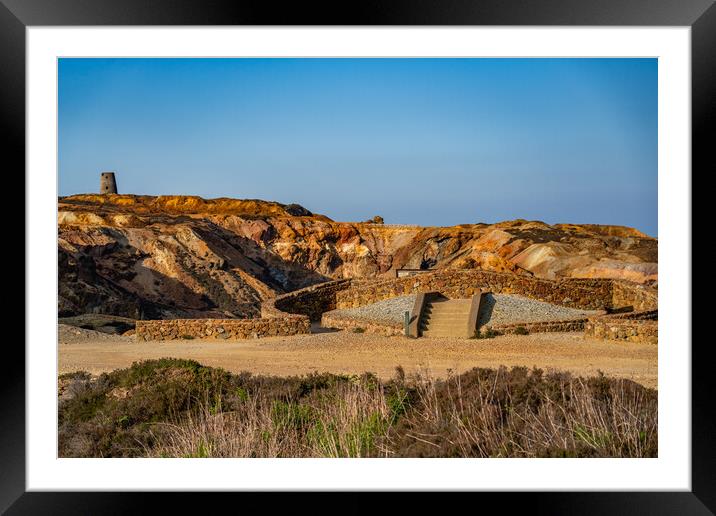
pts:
[184, 205]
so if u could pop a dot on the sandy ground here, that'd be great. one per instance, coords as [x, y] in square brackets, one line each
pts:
[342, 352]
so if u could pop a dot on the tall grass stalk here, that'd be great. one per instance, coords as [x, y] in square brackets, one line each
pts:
[175, 408]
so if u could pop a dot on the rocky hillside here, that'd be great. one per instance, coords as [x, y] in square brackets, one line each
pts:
[184, 256]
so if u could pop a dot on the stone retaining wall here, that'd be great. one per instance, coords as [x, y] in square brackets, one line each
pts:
[310, 301]
[639, 297]
[291, 313]
[588, 294]
[642, 315]
[172, 329]
[349, 323]
[288, 314]
[632, 327]
[542, 326]
[389, 329]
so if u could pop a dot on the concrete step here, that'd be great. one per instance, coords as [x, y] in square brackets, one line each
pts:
[434, 313]
[458, 323]
[446, 318]
[446, 314]
[440, 333]
[449, 319]
[448, 306]
[453, 303]
[448, 328]
[447, 324]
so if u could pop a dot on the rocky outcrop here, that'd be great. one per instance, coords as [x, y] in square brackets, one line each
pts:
[184, 256]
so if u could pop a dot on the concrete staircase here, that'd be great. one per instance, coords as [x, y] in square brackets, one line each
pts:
[446, 318]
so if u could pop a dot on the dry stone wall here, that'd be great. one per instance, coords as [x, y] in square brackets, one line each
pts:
[640, 326]
[288, 314]
[390, 329]
[642, 315]
[310, 301]
[292, 313]
[588, 294]
[639, 297]
[349, 323]
[172, 329]
[541, 326]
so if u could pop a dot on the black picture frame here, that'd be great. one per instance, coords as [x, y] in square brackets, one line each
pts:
[700, 15]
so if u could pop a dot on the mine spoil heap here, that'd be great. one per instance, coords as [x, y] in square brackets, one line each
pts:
[184, 256]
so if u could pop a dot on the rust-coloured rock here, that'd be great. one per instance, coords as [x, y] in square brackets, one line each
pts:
[184, 256]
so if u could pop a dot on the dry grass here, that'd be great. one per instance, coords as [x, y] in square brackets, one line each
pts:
[578, 418]
[176, 408]
[341, 423]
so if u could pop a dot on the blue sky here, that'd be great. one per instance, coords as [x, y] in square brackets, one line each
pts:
[417, 141]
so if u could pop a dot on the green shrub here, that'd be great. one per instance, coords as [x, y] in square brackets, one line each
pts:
[593, 438]
[487, 333]
[398, 404]
[358, 330]
[362, 436]
[76, 375]
[324, 437]
[242, 394]
[521, 330]
[291, 415]
[202, 451]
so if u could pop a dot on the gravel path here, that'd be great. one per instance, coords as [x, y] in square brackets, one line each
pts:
[389, 310]
[350, 353]
[510, 308]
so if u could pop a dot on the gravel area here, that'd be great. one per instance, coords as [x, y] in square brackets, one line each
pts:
[497, 309]
[390, 310]
[72, 334]
[100, 322]
[351, 353]
[510, 308]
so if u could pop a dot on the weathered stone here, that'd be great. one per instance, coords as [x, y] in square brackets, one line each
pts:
[168, 329]
[592, 294]
[632, 327]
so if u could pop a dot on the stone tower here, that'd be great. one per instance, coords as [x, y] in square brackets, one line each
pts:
[107, 183]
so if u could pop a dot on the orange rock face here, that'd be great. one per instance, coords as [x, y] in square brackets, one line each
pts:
[184, 256]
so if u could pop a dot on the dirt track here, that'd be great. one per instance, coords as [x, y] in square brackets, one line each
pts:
[356, 353]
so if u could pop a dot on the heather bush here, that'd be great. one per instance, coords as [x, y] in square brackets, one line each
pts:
[179, 408]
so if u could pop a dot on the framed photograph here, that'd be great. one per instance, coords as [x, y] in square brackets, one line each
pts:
[415, 250]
